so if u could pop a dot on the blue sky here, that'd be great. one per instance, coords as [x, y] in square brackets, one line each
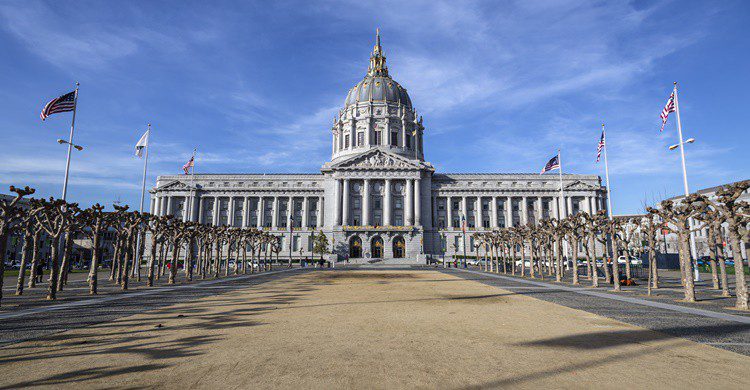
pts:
[255, 85]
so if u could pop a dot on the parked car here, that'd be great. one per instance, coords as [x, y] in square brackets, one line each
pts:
[526, 263]
[633, 260]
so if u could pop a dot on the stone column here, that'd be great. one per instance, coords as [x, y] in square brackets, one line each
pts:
[319, 212]
[169, 206]
[464, 210]
[587, 204]
[366, 202]
[524, 211]
[230, 212]
[538, 209]
[259, 213]
[449, 208]
[387, 203]
[289, 211]
[592, 205]
[245, 213]
[418, 202]
[200, 210]
[345, 211]
[493, 210]
[275, 213]
[569, 208]
[155, 205]
[336, 203]
[508, 212]
[305, 211]
[478, 213]
[408, 205]
[215, 221]
[553, 208]
[434, 208]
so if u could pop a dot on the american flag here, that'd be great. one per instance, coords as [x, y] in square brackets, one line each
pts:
[63, 103]
[667, 109]
[553, 163]
[599, 148]
[188, 165]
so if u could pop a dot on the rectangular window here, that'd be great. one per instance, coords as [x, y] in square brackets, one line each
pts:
[408, 142]
[346, 141]
[377, 138]
[394, 138]
[360, 139]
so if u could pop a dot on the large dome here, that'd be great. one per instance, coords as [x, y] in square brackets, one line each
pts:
[378, 89]
[377, 86]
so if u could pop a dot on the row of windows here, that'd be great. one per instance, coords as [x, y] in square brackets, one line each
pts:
[377, 140]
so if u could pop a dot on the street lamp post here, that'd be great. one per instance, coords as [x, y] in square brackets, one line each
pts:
[681, 145]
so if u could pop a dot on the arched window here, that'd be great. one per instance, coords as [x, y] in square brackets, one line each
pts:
[399, 247]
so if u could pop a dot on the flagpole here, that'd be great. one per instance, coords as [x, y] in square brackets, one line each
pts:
[70, 144]
[191, 201]
[693, 251]
[562, 199]
[562, 194]
[606, 174]
[145, 167]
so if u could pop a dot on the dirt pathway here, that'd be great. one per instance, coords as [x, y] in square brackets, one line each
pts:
[371, 329]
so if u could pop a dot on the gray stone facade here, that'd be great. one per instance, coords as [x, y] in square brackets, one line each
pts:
[377, 197]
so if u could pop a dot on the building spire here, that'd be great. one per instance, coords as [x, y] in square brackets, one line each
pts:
[377, 58]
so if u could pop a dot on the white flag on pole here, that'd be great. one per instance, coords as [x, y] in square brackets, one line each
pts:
[142, 143]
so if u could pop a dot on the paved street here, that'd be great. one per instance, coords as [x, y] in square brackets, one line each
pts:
[383, 328]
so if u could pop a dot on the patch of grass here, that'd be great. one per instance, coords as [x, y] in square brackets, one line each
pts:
[730, 269]
[14, 272]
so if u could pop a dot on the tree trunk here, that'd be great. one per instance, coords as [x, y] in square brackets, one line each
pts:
[67, 246]
[54, 269]
[3, 244]
[173, 262]
[115, 255]
[94, 266]
[717, 245]
[217, 259]
[34, 258]
[615, 263]
[739, 269]
[712, 258]
[151, 261]
[188, 263]
[141, 252]
[128, 254]
[684, 250]
[575, 259]
[27, 243]
[558, 260]
[592, 255]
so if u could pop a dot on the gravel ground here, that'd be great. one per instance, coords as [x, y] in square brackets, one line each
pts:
[31, 316]
[730, 335]
[379, 328]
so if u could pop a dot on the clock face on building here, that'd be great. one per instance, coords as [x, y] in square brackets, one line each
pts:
[356, 187]
[377, 188]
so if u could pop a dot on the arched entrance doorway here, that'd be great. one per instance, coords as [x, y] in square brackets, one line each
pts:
[377, 248]
[399, 247]
[355, 248]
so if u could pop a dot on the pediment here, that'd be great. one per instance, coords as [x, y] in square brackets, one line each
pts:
[579, 185]
[174, 185]
[378, 159]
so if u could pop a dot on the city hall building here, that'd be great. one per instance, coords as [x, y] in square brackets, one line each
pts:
[377, 198]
